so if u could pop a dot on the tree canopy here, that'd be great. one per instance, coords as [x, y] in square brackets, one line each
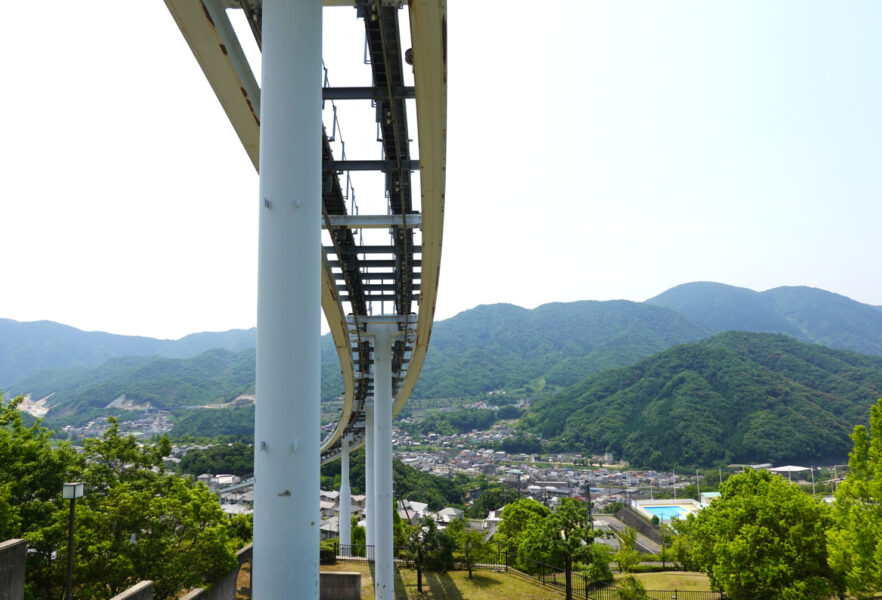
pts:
[762, 538]
[134, 522]
[856, 543]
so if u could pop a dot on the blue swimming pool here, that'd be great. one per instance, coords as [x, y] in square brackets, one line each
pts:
[666, 513]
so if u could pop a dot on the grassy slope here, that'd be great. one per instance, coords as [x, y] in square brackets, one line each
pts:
[490, 585]
[681, 581]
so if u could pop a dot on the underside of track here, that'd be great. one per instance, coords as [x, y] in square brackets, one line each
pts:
[359, 280]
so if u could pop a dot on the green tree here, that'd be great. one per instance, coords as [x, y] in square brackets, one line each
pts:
[631, 589]
[561, 538]
[235, 458]
[359, 538]
[32, 471]
[470, 544]
[135, 521]
[596, 563]
[762, 538]
[626, 556]
[518, 519]
[666, 534]
[855, 543]
[427, 549]
[493, 497]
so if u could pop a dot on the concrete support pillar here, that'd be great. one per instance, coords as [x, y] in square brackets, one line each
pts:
[384, 578]
[344, 512]
[286, 427]
[369, 490]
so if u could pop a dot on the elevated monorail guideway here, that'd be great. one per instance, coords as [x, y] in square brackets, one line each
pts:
[381, 351]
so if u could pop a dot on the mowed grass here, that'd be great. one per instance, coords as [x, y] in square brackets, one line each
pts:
[453, 585]
[672, 580]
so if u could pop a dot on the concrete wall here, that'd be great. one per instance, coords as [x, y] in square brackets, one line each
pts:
[139, 591]
[340, 586]
[631, 518]
[12, 569]
[225, 587]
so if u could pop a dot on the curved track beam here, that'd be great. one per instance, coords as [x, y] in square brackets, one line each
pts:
[210, 36]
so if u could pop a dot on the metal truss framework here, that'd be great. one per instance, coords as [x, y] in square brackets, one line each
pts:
[357, 279]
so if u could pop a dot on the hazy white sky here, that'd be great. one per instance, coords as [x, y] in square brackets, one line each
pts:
[597, 150]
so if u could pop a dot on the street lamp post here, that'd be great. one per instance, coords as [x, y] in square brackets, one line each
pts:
[588, 498]
[71, 491]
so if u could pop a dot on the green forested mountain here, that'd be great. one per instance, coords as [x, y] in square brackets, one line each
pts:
[502, 345]
[28, 348]
[216, 376]
[807, 314]
[213, 376]
[735, 397]
[479, 350]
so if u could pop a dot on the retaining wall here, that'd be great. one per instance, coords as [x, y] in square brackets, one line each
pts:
[139, 591]
[12, 569]
[629, 517]
[340, 585]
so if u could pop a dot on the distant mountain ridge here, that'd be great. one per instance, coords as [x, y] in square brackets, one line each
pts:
[735, 397]
[501, 345]
[30, 347]
[490, 347]
[804, 313]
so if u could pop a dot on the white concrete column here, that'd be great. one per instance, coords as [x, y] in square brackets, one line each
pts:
[384, 573]
[344, 512]
[369, 512]
[286, 425]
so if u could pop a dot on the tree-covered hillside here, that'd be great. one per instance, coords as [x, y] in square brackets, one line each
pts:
[28, 348]
[501, 345]
[735, 397]
[807, 314]
[491, 347]
[215, 376]
[477, 351]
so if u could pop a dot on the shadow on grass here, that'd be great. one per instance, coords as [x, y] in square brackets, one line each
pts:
[482, 581]
[442, 586]
[400, 592]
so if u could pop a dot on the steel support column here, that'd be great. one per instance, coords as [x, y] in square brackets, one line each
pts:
[384, 579]
[287, 442]
[369, 489]
[344, 513]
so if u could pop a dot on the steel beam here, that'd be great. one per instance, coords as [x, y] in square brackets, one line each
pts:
[371, 165]
[374, 249]
[372, 221]
[366, 93]
[377, 264]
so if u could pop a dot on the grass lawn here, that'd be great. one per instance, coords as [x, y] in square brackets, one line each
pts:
[672, 580]
[454, 585]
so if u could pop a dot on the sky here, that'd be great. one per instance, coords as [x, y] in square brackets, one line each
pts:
[596, 151]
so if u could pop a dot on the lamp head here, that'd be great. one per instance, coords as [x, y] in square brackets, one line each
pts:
[71, 491]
